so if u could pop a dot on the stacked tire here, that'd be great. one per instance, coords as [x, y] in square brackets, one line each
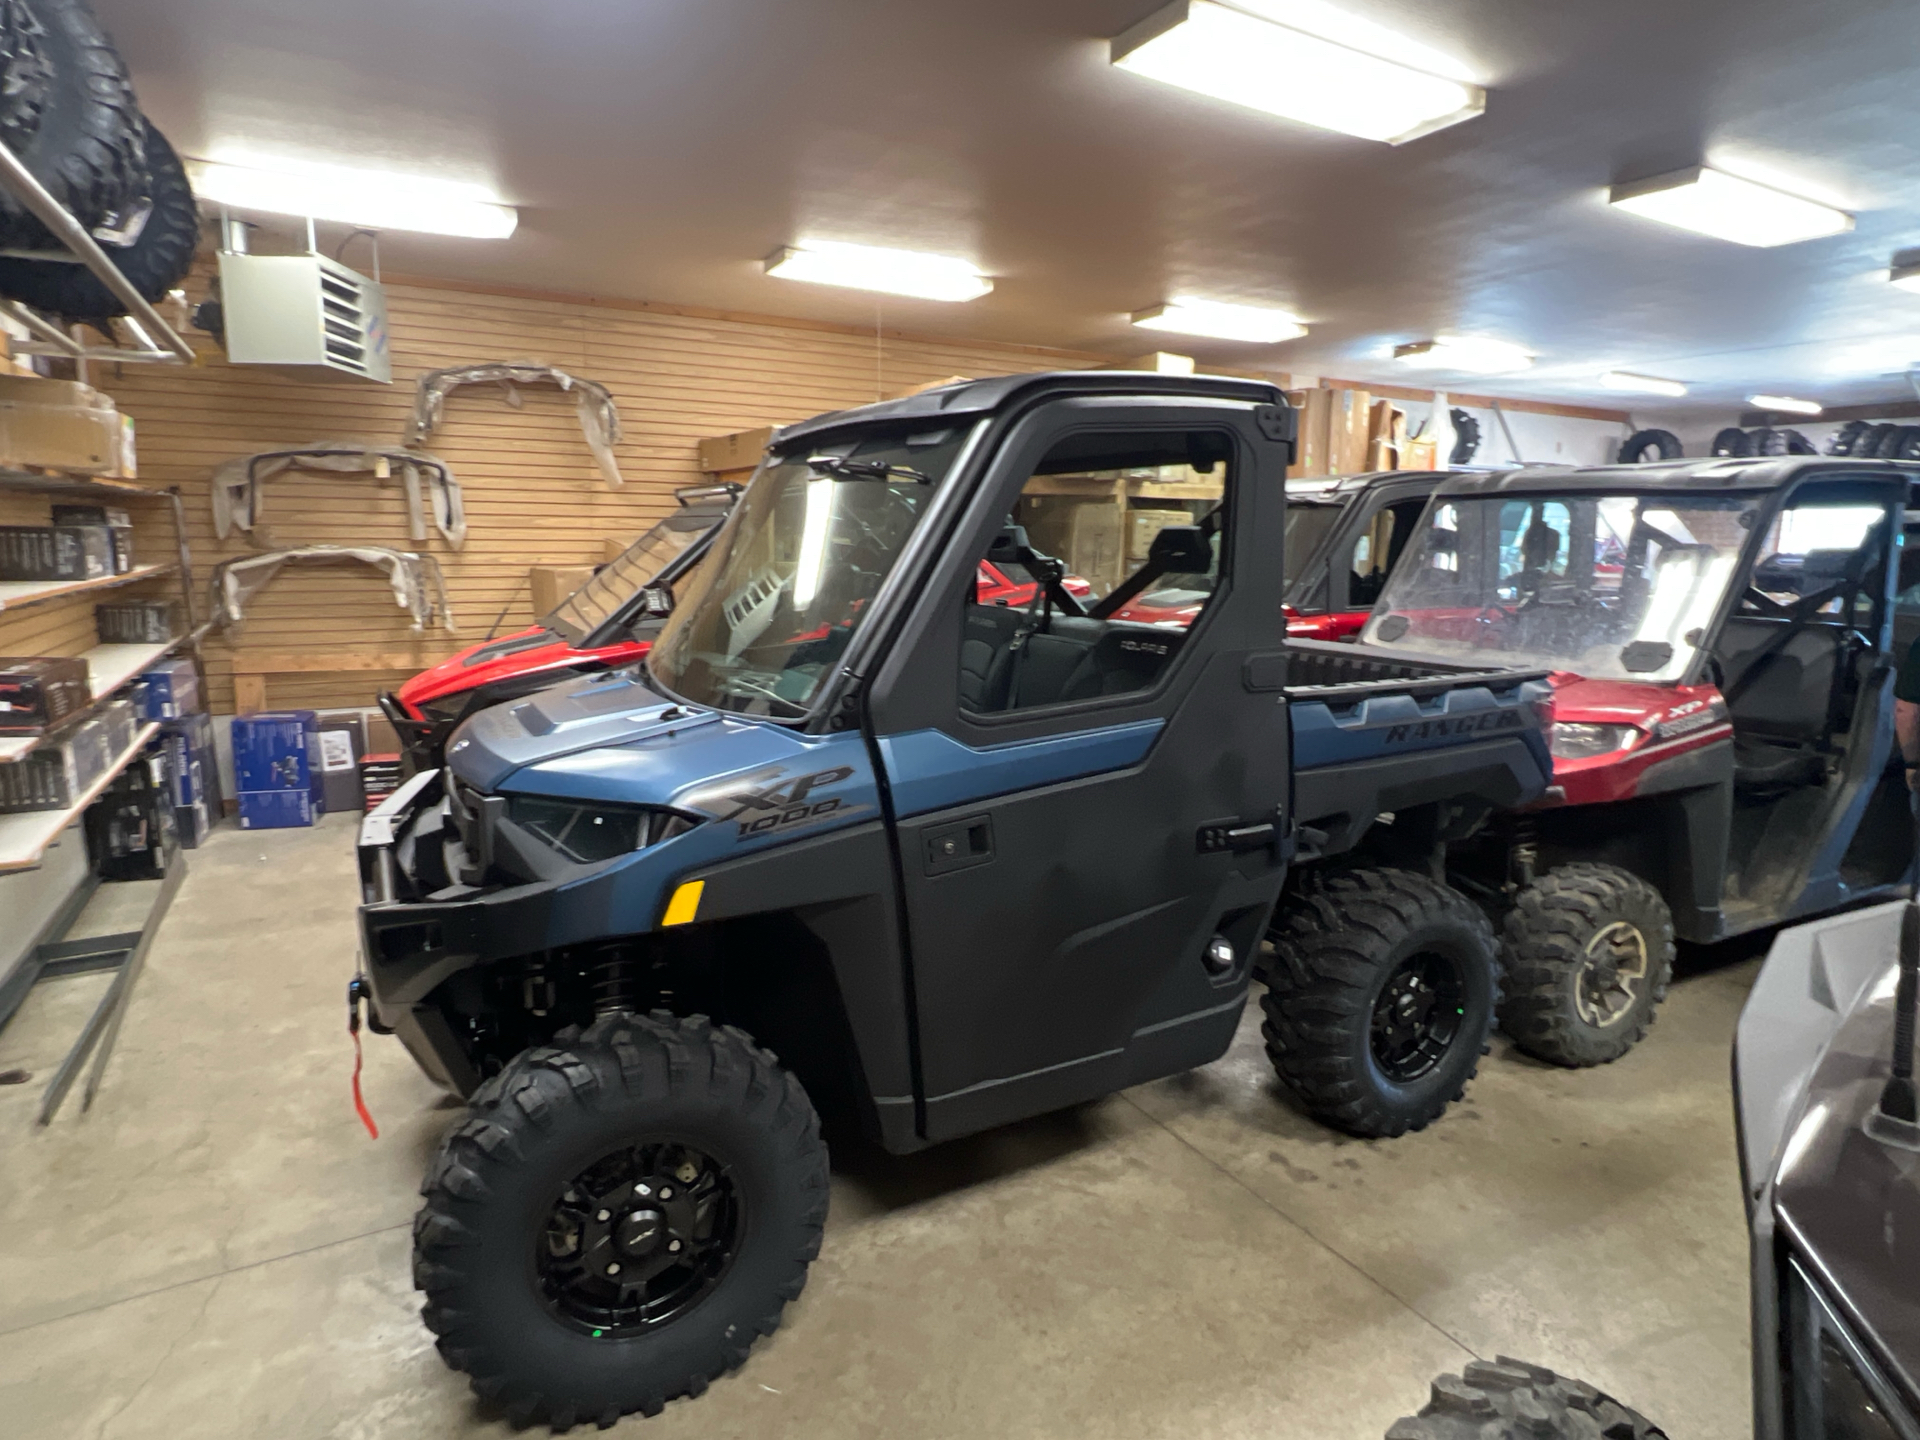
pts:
[69, 114]
[1761, 440]
[1865, 440]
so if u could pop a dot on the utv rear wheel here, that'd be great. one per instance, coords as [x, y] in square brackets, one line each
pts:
[617, 1220]
[1509, 1397]
[1380, 997]
[1589, 954]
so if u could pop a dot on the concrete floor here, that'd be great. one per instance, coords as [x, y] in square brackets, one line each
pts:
[218, 1250]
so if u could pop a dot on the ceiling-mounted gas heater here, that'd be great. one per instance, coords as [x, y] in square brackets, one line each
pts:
[304, 312]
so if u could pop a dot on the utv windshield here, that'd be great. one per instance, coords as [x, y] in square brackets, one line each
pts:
[1617, 586]
[776, 602]
[616, 583]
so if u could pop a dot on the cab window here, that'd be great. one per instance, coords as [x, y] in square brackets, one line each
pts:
[1110, 554]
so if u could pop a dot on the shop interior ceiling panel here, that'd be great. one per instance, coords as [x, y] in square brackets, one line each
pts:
[661, 152]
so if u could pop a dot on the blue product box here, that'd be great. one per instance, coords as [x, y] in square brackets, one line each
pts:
[168, 690]
[188, 743]
[274, 750]
[275, 809]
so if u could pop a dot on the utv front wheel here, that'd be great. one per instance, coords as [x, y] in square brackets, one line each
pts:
[1380, 998]
[618, 1219]
[1589, 953]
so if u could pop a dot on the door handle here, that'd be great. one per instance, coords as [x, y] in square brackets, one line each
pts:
[1238, 837]
[958, 846]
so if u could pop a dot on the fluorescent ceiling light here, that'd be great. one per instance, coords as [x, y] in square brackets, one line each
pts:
[1254, 323]
[1786, 404]
[1641, 384]
[1714, 203]
[1475, 357]
[372, 198]
[1228, 54]
[874, 267]
[1907, 277]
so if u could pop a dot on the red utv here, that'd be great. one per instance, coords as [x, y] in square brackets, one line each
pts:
[1720, 633]
[609, 621]
[1344, 536]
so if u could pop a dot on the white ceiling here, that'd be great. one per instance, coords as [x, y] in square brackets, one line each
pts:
[660, 149]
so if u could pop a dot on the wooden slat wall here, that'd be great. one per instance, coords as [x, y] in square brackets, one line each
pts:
[533, 494]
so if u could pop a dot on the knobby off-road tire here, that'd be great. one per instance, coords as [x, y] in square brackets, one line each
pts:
[518, 1190]
[1509, 1398]
[68, 112]
[1645, 446]
[1364, 959]
[1588, 954]
[157, 260]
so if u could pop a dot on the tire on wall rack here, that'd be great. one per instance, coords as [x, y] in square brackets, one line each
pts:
[1847, 437]
[1798, 444]
[1380, 997]
[1588, 954]
[1765, 440]
[1903, 444]
[1732, 441]
[67, 111]
[1664, 445]
[618, 1218]
[1866, 445]
[1506, 1397]
[157, 260]
[1466, 437]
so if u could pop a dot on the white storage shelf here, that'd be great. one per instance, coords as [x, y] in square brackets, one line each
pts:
[18, 594]
[25, 838]
[109, 668]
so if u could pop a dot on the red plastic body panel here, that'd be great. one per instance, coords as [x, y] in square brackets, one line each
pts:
[1616, 775]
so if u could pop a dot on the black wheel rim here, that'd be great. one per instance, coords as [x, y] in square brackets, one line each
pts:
[637, 1239]
[1417, 1016]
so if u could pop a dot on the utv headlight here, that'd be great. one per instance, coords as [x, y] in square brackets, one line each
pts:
[1582, 742]
[588, 831]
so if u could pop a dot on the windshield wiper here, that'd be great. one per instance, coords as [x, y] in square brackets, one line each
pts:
[843, 468]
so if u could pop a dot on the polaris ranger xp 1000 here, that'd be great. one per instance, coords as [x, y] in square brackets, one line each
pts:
[855, 834]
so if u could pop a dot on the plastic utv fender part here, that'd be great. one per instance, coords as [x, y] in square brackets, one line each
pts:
[1466, 437]
[671, 1172]
[1507, 1398]
[1380, 998]
[1588, 951]
[1648, 445]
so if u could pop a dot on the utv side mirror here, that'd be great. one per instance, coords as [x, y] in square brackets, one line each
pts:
[1181, 550]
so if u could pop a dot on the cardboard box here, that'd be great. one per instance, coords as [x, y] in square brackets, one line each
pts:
[168, 690]
[58, 425]
[343, 740]
[1421, 454]
[553, 583]
[37, 692]
[129, 467]
[121, 723]
[1143, 524]
[130, 828]
[277, 750]
[612, 549]
[1086, 534]
[54, 552]
[136, 622]
[275, 809]
[118, 523]
[192, 823]
[739, 451]
[380, 776]
[194, 772]
[54, 776]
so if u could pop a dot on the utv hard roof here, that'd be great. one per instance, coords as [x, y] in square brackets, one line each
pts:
[1716, 473]
[973, 398]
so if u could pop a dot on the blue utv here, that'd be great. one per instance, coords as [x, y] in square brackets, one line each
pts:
[854, 835]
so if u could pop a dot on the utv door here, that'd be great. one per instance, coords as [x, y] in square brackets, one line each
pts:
[1088, 812]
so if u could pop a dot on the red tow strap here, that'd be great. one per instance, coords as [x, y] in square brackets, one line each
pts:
[353, 1029]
